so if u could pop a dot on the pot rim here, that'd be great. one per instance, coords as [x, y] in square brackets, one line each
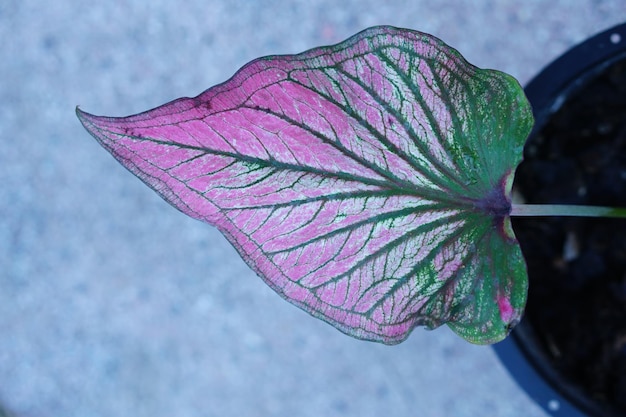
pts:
[548, 90]
[546, 93]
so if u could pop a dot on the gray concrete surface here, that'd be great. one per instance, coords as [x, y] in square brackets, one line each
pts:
[112, 303]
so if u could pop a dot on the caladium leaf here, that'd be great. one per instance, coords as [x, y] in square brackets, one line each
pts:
[367, 182]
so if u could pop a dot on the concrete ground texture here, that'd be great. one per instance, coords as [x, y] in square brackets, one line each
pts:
[112, 303]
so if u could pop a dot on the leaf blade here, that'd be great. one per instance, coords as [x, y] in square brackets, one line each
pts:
[340, 173]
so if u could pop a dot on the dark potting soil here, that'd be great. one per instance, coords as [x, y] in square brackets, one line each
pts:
[577, 266]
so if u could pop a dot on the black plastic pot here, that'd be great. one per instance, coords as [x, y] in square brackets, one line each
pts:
[526, 353]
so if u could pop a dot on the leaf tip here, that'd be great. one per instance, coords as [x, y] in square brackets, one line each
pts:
[84, 118]
[92, 124]
[79, 113]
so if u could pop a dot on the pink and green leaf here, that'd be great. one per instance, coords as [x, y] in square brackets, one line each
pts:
[368, 182]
